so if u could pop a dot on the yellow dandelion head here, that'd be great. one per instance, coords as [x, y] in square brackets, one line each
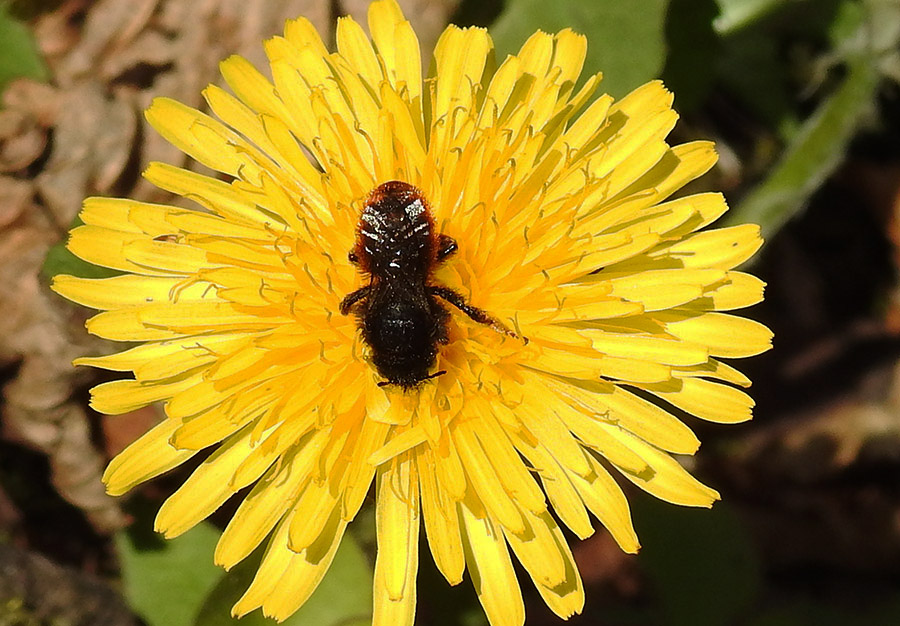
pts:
[576, 309]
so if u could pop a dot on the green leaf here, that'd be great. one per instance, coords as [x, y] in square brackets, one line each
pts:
[766, 90]
[166, 581]
[216, 608]
[626, 40]
[736, 14]
[19, 56]
[816, 150]
[843, 28]
[693, 51]
[343, 598]
[701, 563]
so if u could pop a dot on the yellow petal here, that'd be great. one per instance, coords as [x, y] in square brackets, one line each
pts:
[705, 399]
[539, 552]
[668, 481]
[460, 55]
[128, 290]
[215, 195]
[723, 248]
[285, 580]
[204, 491]
[606, 501]
[353, 44]
[397, 47]
[318, 505]
[738, 291]
[441, 522]
[644, 419]
[266, 504]
[146, 458]
[485, 481]
[491, 570]
[725, 335]
[123, 396]
[397, 528]
[201, 137]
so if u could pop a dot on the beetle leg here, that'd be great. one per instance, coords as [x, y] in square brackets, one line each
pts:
[354, 297]
[482, 317]
[446, 246]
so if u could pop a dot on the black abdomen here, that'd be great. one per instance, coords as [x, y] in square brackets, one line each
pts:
[403, 326]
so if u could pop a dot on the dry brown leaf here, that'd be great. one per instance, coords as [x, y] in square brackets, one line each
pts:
[109, 25]
[820, 442]
[15, 197]
[58, 31]
[34, 590]
[21, 141]
[36, 334]
[37, 100]
[27, 112]
[92, 141]
[819, 484]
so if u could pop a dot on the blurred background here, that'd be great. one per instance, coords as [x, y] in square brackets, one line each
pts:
[802, 99]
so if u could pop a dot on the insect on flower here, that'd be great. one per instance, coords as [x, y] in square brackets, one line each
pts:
[400, 316]
[558, 198]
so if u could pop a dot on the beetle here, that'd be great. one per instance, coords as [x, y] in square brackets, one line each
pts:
[400, 312]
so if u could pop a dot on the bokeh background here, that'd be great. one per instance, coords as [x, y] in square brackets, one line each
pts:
[803, 101]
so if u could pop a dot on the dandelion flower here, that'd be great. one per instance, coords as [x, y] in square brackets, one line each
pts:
[557, 199]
